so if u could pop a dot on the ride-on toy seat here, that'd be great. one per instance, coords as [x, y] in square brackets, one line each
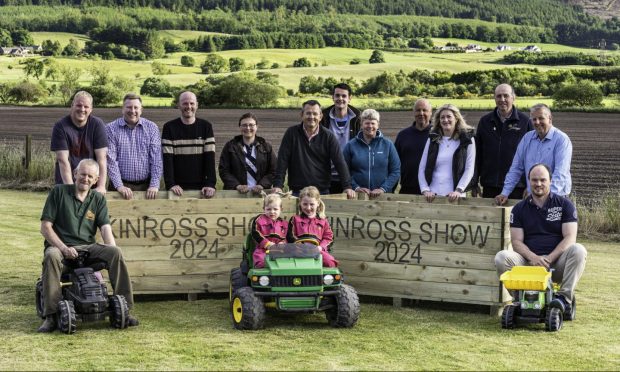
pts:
[293, 280]
[84, 296]
[535, 299]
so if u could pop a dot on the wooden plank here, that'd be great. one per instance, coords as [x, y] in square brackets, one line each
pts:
[393, 248]
[420, 273]
[436, 258]
[442, 200]
[167, 252]
[162, 194]
[251, 206]
[181, 267]
[450, 292]
[411, 210]
[213, 283]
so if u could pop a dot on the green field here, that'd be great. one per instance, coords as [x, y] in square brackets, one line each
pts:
[328, 62]
[181, 335]
[61, 37]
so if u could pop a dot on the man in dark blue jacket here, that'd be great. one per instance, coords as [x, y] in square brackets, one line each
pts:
[497, 136]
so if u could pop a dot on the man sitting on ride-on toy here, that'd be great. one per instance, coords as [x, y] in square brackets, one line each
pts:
[543, 230]
[69, 222]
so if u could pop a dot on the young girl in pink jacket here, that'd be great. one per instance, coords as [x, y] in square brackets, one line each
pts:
[311, 226]
[268, 228]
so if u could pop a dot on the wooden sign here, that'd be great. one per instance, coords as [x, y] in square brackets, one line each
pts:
[396, 246]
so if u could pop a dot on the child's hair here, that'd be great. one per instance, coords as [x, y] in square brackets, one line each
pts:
[272, 198]
[312, 192]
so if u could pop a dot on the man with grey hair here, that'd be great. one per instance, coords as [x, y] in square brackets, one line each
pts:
[69, 222]
[497, 137]
[410, 144]
[78, 136]
[546, 145]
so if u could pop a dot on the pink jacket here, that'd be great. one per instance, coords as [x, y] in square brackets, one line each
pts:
[313, 230]
[265, 231]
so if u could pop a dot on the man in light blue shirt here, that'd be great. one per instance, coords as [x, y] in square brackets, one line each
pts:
[545, 144]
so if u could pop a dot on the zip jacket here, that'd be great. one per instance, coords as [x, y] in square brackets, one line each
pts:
[372, 165]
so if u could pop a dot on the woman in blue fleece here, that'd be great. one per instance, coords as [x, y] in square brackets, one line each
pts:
[372, 158]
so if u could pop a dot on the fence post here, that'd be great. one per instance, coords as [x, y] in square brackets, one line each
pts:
[28, 151]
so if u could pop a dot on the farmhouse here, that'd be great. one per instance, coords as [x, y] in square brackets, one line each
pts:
[532, 48]
[473, 48]
[17, 51]
[502, 47]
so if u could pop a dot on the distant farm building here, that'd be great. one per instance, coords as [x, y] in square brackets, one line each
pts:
[473, 48]
[532, 48]
[502, 47]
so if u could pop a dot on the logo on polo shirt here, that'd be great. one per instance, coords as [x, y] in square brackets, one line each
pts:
[512, 217]
[90, 215]
[554, 214]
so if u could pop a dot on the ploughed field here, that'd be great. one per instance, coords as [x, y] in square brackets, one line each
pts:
[595, 136]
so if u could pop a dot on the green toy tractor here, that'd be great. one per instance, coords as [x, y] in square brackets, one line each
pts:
[293, 280]
[535, 299]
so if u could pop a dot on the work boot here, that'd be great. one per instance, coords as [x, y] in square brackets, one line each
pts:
[49, 324]
[132, 321]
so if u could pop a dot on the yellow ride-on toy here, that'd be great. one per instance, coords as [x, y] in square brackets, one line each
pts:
[535, 299]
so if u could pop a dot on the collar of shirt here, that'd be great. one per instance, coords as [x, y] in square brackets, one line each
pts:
[311, 135]
[548, 137]
[123, 123]
[350, 115]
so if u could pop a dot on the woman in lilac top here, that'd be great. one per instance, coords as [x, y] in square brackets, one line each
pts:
[447, 164]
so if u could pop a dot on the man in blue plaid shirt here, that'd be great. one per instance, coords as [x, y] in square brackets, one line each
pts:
[134, 151]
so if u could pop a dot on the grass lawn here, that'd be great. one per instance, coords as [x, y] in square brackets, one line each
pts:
[62, 37]
[180, 335]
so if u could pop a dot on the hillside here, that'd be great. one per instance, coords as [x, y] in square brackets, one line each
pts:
[604, 9]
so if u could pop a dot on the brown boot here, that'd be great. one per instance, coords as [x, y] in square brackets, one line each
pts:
[49, 324]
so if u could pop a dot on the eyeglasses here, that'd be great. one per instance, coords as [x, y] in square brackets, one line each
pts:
[247, 126]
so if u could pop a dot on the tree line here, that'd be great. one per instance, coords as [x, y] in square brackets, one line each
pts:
[334, 29]
[560, 58]
[525, 81]
[531, 12]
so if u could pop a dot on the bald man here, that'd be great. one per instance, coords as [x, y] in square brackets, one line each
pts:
[410, 144]
[188, 147]
[497, 136]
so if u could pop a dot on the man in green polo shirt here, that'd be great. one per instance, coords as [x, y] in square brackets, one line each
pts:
[69, 222]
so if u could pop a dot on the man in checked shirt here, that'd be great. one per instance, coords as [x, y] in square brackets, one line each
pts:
[134, 151]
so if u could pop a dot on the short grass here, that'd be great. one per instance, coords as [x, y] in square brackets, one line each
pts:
[180, 335]
[180, 35]
[61, 37]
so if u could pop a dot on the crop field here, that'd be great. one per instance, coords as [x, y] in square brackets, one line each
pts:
[595, 136]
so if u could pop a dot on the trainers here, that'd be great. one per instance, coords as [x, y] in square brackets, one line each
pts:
[132, 321]
[49, 325]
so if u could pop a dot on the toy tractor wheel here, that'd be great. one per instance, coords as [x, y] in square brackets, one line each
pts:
[38, 299]
[346, 309]
[237, 281]
[119, 311]
[66, 321]
[247, 310]
[509, 316]
[573, 311]
[553, 321]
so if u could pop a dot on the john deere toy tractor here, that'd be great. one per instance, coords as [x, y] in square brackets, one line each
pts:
[84, 297]
[535, 299]
[293, 280]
